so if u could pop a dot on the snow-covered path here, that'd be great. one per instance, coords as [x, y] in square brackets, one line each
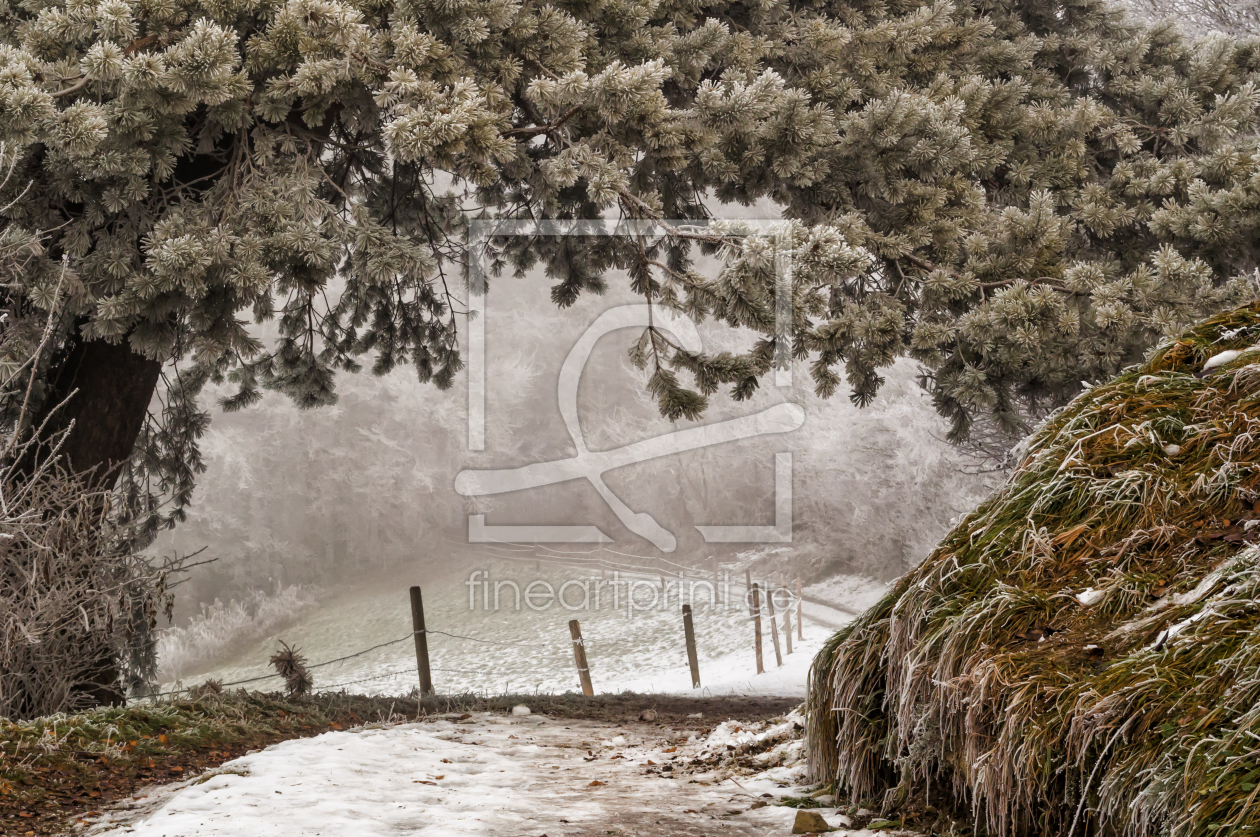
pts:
[485, 775]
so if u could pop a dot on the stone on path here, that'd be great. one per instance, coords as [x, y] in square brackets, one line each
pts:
[807, 822]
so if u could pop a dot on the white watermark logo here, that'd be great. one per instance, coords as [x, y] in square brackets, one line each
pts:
[631, 594]
[592, 465]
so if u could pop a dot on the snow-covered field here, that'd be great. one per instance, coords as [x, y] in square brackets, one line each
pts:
[522, 649]
[855, 592]
[491, 776]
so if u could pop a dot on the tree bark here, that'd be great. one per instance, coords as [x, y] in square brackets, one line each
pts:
[106, 389]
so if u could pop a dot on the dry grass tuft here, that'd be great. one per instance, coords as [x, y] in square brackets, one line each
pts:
[1080, 655]
[291, 665]
[209, 687]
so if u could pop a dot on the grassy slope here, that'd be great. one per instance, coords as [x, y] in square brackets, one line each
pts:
[983, 677]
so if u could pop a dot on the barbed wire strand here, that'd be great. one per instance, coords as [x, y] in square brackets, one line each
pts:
[394, 674]
[359, 653]
[365, 651]
[486, 641]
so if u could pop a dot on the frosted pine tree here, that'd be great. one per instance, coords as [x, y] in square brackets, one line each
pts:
[1020, 196]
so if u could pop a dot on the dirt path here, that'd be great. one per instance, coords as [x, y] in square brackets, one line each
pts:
[482, 774]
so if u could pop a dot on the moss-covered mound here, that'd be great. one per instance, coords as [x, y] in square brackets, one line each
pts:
[1081, 654]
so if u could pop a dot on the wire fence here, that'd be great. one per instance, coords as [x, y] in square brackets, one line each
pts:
[412, 670]
[583, 560]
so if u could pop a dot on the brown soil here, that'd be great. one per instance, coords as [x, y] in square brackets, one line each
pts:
[671, 710]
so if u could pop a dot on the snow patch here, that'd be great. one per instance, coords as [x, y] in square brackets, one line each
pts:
[856, 592]
[1222, 358]
[1089, 596]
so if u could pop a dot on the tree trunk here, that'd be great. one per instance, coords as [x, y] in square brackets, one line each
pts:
[106, 388]
[112, 387]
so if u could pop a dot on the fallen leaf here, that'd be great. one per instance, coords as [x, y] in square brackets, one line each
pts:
[670, 750]
[597, 784]
[422, 782]
[447, 761]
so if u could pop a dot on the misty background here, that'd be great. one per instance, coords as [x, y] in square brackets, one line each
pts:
[298, 507]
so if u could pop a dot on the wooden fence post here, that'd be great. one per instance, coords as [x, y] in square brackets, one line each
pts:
[422, 642]
[787, 622]
[579, 656]
[756, 609]
[800, 617]
[774, 628]
[689, 631]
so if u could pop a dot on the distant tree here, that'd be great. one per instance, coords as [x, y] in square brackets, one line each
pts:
[1236, 17]
[1018, 195]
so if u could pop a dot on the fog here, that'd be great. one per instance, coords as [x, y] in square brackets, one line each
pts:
[329, 497]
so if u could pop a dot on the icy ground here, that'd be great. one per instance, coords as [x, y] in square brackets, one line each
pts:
[493, 776]
[519, 649]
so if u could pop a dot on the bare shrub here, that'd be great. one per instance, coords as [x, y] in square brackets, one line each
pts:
[71, 603]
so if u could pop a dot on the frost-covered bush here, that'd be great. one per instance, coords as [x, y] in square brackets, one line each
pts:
[219, 628]
[76, 607]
